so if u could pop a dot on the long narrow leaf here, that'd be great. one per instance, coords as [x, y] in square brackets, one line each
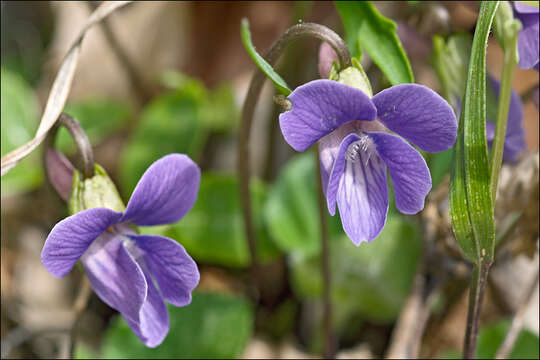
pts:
[471, 207]
[278, 81]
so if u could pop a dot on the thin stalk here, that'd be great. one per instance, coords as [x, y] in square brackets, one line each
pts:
[257, 81]
[476, 295]
[509, 64]
[329, 349]
[292, 34]
[81, 141]
[78, 307]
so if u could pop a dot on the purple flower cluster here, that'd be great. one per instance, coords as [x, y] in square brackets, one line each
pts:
[356, 147]
[123, 266]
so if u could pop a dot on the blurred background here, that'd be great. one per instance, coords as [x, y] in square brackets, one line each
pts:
[162, 77]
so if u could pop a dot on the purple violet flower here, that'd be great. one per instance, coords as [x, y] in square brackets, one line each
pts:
[356, 149]
[121, 265]
[514, 141]
[528, 37]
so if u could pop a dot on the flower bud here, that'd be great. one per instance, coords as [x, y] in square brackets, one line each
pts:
[97, 191]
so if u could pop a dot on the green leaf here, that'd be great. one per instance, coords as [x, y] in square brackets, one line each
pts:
[292, 211]
[471, 207]
[278, 82]
[171, 123]
[366, 28]
[213, 326]
[218, 109]
[213, 230]
[20, 116]
[371, 280]
[98, 117]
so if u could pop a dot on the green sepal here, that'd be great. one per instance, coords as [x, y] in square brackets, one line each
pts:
[97, 191]
[353, 76]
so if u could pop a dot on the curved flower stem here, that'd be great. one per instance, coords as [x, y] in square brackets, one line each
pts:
[478, 285]
[78, 307]
[293, 33]
[79, 137]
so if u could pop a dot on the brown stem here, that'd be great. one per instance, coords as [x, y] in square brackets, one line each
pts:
[476, 294]
[293, 33]
[329, 348]
[78, 307]
[79, 137]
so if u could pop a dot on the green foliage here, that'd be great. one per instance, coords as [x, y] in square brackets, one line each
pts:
[178, 121]
[213, 326]
[292, 212]
[471, 206]
[213, 230]
[278, 82]
[20, 116]
[367, 29]
[98, 117]
[372, 280]
[218, 108]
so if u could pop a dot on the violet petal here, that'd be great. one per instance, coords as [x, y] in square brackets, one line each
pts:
[525, 9]
[115, 277]
[165, 193]
[329, 148]
[408, 170]
[153, 324]
[418, 114]
[528, 40]
[362, 196]
[514, 141]
[174, 270]
[318, 108]
[71, 237]
[337, 172]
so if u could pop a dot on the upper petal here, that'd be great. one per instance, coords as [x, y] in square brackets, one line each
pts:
[318, 108]
[165, 193]
[170, 265]
[362, 196]
[418, 114]
[408, 170]
[70, 238]
[115, 276]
